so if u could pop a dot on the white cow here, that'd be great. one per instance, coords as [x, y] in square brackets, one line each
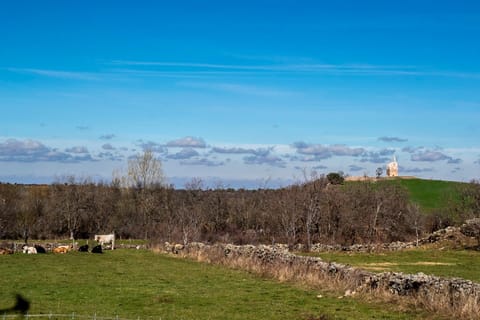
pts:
[29, 250]
[106, 238]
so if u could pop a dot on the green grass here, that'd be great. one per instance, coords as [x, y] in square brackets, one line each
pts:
[139, 283]
[446, 263]
[430, 195]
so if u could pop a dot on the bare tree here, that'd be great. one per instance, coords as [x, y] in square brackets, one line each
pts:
[145, 174]
[29, 209]
[145, 171]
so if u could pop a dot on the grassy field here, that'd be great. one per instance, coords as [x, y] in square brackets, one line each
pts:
[140, 283]
[447, 263]
[430, 195]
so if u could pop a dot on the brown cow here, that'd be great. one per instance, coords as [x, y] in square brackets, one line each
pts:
[61, 249]
[5, 251]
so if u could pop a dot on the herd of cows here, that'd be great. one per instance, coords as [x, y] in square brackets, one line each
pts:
[62, 249]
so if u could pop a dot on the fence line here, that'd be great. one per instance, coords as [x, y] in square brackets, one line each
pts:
[72, 316]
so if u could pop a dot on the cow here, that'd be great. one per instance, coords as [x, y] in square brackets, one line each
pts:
[97, 249]
[61, 249]
[5, 251]
[105, 238]
[29, 250]
[83, 248]
[40, 249]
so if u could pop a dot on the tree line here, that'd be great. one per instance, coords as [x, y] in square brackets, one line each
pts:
[316, 210]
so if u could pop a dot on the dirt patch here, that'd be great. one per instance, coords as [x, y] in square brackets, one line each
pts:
[429, 263]
[380, 266]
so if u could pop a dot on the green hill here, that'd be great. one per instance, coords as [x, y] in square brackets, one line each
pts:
[430, 195]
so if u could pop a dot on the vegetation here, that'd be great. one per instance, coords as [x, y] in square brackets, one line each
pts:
[335, 178]
[445, 263]
[139, 283]
[431, 195]
[472, 229]
[304, 213]
[314, 211]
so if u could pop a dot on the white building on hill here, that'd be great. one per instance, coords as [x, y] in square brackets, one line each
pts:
[392, 168]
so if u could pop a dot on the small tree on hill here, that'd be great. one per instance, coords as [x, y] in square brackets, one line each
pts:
[335, 178]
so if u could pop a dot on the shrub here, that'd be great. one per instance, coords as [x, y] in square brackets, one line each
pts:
[335, 178]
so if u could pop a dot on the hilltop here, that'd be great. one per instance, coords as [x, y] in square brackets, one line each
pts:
[430, 195]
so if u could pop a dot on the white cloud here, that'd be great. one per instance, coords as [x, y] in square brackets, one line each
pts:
[77, 149]
[13, 150]
[107, 136]
[392, 139]
[192, 142]
[324, 152]
[185, 153]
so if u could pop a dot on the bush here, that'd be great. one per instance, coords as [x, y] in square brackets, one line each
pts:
[471, 228]
[335, 178]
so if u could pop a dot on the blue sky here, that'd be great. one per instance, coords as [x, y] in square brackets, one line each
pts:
[239, 92]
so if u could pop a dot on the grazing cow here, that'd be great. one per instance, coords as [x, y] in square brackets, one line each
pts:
[105, 238]
[97, 249]
[40, 249]
[83, 248]
[5, 251]
[29, 250]
[61, 249]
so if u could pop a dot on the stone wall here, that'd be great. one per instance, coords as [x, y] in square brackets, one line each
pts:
[452, 293]
[447, 234]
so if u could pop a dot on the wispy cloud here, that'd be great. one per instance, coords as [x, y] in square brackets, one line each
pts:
[355, 168]
[237, 88]
[151, 146]
[323, 152]
[190, 142]
[239, 150]
[382, 156]
[110, 156]
[267, 159]
[303, 67]
[433, 156]
[60, 74]
[392, 139]
[232, 150]
[411, 149]
[202, 162]
[108, 146]
[269, 68]
[108, 136]
[77, 149]
[415, 170]
[185, 153]
[125, 69]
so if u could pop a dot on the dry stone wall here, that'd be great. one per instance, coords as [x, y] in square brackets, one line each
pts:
[453, 292]
[447, 234]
